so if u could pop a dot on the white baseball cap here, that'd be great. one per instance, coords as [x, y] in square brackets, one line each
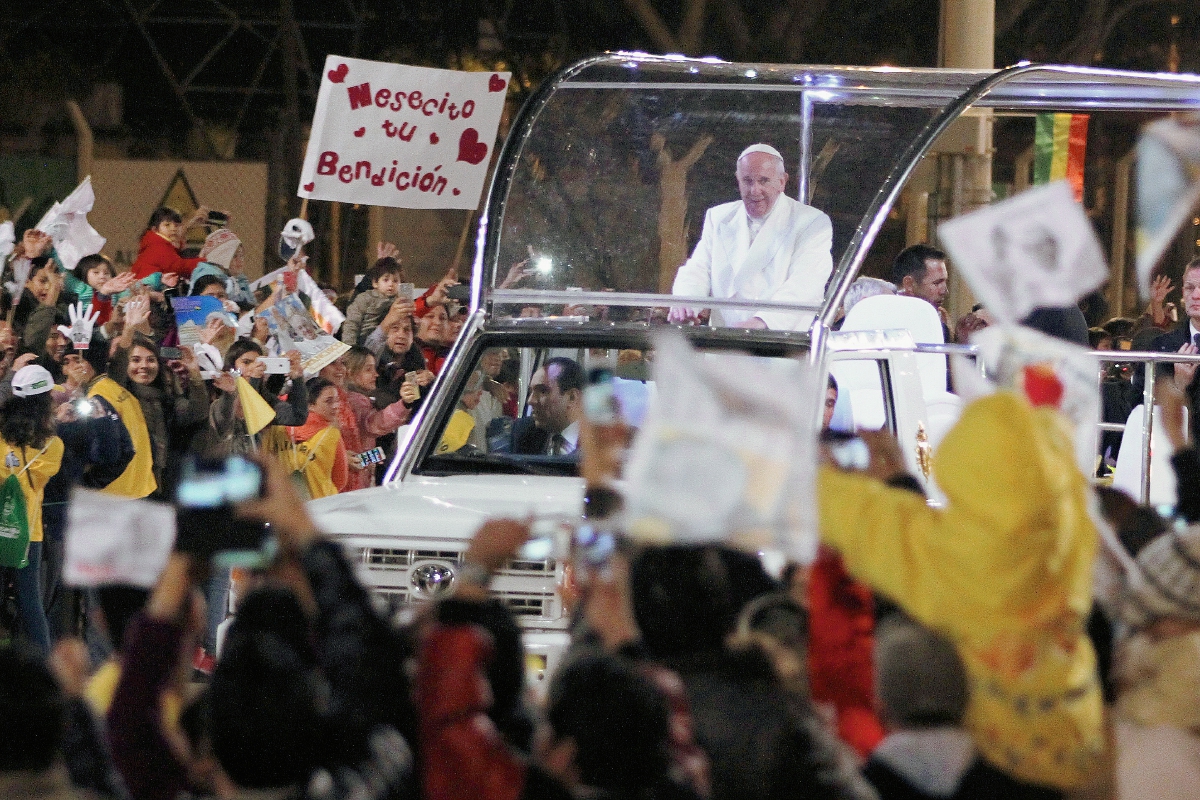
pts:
[31, 380]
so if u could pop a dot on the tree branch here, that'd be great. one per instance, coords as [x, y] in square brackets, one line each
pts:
[693, 26]
[1008, 14]
[736, 28]
[653, 25]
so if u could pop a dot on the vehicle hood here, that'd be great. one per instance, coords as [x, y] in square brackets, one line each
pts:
[442, 508]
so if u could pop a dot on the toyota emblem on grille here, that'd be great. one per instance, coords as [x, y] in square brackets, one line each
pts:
[432, 580]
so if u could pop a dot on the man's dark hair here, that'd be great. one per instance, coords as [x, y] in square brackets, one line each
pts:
[687, 598]
[316, 385]
[618, 720]
[32, 713]
[911, 261]
[265, 695]
[163, 214]
[832, 383]
[205, 281]
[569, 374]
[385, 266]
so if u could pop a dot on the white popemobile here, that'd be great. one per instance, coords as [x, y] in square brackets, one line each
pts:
[576, 186]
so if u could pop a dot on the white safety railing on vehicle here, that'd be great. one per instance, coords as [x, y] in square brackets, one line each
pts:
[1150, 362]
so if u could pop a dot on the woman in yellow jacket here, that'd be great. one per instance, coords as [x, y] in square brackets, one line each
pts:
[314, 451]
[1004, 570]
[32, 452]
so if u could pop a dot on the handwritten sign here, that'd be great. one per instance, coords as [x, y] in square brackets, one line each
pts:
[1035, 250]
[394, 135]
[116, 540]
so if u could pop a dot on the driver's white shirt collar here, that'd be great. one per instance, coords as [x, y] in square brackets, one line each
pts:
[571, 435]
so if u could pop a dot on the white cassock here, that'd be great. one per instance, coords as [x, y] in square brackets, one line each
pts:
[787, 262]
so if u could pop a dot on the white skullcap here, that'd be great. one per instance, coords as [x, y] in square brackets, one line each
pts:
[760, 148]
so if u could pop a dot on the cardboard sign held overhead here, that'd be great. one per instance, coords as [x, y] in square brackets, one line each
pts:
[409, 137]
[1035, 250]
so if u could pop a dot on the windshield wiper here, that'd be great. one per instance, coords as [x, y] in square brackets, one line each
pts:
[523, 464]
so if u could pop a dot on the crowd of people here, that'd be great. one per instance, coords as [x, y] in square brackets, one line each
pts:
[98, 391]
[1024, 640]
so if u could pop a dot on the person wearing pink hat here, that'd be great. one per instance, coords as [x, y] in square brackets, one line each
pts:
[224, 256]
[765, 246]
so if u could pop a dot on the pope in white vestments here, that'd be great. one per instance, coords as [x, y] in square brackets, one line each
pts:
[765, 246]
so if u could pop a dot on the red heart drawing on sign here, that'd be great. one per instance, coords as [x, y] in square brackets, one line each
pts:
[470, 149]
[457, 192]
[338, 73]
[360, 132]
[308, 187]
[433, 138]
[497, 84]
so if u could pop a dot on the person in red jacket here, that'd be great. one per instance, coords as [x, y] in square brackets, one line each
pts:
[159, 252]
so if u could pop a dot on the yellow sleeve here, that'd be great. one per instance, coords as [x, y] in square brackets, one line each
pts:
[891, 539]
[46, 466]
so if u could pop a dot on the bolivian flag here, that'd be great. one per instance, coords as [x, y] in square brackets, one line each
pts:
[1060, 144]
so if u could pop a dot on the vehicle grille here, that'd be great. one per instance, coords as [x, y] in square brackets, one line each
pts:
[385, 569]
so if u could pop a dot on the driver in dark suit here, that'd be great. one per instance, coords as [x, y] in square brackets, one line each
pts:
[556, 400]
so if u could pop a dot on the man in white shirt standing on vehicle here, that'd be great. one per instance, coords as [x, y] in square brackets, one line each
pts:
[765, 246]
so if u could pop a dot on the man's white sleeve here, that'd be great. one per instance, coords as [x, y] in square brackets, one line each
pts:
[694, 278]
[810, 268]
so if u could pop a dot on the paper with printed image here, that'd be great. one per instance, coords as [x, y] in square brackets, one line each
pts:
[1034, 250]
[112, 540]
[67, 225]
[193, 313]
[1007, 349]
[294, 329]
[1168, 188]
[727, 452]
[394, 135]
[322, 308]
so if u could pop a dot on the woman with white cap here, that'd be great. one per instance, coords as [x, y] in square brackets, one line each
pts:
[30, 450]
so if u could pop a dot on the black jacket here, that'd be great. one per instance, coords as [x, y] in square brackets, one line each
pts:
[762, 741]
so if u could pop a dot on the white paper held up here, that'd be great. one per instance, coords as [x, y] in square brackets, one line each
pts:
[67, 225]
[1034, 250]
[1168, 188]
[113, 540]
[727, 453]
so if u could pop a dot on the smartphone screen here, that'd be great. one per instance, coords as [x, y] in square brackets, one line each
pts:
[207, 525]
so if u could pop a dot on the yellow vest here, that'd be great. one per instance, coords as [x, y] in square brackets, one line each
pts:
[138, 478]
[1004, 570]
[43, 465]
[313, 458]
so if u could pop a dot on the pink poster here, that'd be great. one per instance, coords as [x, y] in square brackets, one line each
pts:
[409, 137]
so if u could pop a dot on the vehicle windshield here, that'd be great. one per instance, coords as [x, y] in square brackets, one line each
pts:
[519, 408]
[614, 172]
[611, 186]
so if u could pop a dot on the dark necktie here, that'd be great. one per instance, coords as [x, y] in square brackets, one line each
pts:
[1196, 339]
[558, 445]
